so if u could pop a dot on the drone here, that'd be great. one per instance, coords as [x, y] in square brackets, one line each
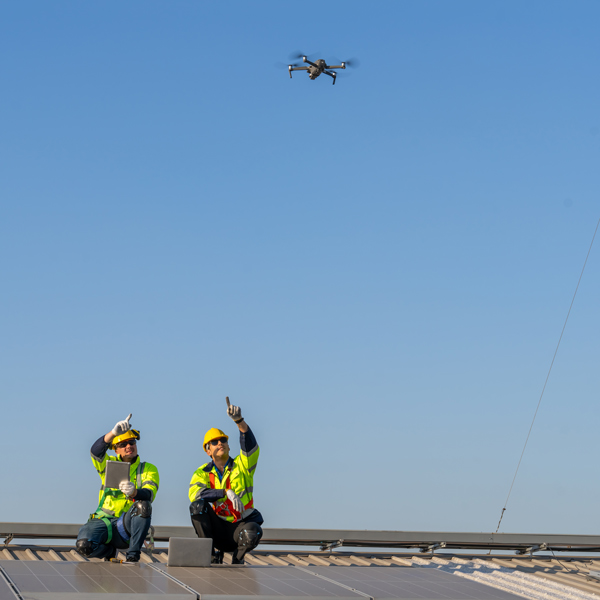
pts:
[316, 68]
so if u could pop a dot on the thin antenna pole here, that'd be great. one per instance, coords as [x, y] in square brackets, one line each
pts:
[547, 377]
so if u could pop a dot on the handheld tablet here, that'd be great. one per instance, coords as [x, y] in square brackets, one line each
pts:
[116, 473]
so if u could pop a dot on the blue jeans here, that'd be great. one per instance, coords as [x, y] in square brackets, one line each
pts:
[96, 532]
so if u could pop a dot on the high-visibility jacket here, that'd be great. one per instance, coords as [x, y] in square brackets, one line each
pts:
[238, 475]
[114, 503]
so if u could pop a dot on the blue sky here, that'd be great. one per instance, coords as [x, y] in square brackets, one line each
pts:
[376, 272]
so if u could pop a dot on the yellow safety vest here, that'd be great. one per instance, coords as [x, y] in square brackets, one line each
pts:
[114, 503]
[238, 477]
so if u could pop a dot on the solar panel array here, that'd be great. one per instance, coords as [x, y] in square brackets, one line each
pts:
[72, 579]
[36, 580]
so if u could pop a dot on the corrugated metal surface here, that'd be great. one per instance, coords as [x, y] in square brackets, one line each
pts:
[532, 577]
[398, 541]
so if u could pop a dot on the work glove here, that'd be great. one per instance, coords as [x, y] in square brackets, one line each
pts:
[127, 488]
[235, 500]
[235, 412]
[122, 426]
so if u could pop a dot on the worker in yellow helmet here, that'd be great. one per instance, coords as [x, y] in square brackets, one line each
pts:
[122, 519]
[221, 492]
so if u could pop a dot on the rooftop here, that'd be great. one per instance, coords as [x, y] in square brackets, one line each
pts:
[52, 572]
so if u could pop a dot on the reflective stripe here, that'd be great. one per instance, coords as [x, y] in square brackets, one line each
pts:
[250, 451]
[199, 484]
[140, 468]
[102, 488]
[148, 482]
[251, 469]
[248, 490]
[101, 472]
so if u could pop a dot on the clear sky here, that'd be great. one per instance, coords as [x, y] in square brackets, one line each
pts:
[377, 272]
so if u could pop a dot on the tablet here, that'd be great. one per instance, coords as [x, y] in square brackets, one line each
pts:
[116, 473]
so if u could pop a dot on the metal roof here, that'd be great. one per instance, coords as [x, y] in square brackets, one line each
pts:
[424, 540]
[287, 574]
[53, 572]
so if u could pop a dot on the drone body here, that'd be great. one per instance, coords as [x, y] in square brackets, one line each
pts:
[316, 68]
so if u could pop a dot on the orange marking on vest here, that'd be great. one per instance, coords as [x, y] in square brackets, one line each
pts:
[225, 508]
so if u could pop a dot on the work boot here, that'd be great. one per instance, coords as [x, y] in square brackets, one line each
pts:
[132, 559]
[217, 557]
[237, 561]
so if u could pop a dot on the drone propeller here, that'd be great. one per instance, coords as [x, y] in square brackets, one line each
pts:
[298, 55]
[280, 65]
[353, 62]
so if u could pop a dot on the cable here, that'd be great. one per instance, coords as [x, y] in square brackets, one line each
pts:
[547, 377]
[569, 570]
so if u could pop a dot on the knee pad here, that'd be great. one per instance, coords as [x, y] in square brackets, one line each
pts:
[249, 537]
[198, 507]
[84, 547]
[142, 508]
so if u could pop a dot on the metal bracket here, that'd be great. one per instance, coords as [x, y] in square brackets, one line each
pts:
[329, 547]
[532, 549]
[8, 539]
[433, 547]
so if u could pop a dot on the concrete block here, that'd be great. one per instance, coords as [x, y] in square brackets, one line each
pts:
[189, 552]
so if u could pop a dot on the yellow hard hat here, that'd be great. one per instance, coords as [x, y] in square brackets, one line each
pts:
[213, 434]
[128, 435]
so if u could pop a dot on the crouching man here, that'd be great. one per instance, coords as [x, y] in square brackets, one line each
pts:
[221, 492]
[122, 519]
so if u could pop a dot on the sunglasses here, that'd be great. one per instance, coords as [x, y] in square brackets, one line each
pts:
[126, 443]
[223, 440]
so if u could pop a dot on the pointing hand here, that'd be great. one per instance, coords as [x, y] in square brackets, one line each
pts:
[235, 412]
[122, 426]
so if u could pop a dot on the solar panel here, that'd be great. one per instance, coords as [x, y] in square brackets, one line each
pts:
[400, 583]
[5, 591]
[267, 582]
[44, 580]
[407, 582]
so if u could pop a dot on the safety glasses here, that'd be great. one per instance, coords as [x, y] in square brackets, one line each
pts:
[126, 443]
[223, 440]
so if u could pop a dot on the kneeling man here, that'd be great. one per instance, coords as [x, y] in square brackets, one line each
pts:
[221, 492]
[122, 519]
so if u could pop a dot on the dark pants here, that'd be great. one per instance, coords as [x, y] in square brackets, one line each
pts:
[240, 537]
[95, 532]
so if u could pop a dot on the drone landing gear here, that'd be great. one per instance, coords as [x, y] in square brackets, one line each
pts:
[331, 74]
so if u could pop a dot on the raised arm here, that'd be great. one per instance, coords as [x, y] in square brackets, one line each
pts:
[248, 444]
[235, 412]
